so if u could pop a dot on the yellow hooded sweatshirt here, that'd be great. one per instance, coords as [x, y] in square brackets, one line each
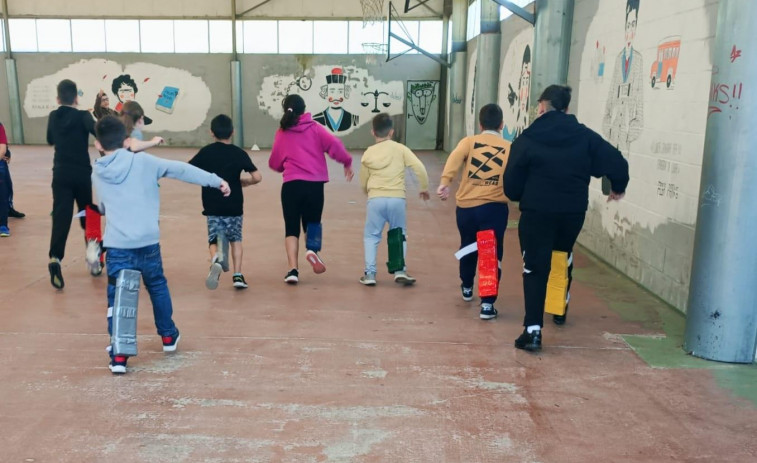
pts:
[382, 170]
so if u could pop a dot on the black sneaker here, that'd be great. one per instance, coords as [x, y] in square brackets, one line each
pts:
[118, 365]
[529, 341]
[15, 214]
[170, 343]
[56, 276]
[560, 319]
[487, 312]
[292, 277]
[239, 282]
[467, 293]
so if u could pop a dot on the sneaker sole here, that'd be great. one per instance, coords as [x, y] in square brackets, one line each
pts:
[117, 369]
[316, 262]
[404, 281]
[55, 274]
[240, 285]
[291, 280]
[4, 235]
[487, 316]
[174, 346]
[211, 282]
[529, 347]
[368, 282]
[467, 299]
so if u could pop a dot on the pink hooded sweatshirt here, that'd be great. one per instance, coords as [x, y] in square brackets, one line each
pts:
[298, 151]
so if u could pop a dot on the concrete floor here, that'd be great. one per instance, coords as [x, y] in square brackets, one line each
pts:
[331, 371]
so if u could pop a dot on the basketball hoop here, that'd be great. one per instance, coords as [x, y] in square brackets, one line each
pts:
[372, 48]
[373, 11]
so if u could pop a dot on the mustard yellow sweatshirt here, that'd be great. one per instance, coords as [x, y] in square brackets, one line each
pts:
[484, 157]
[382, 170]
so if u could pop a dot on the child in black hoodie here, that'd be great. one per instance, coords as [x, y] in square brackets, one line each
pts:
[68, 130]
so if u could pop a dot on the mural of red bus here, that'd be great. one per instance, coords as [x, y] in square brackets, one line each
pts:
[664, 69]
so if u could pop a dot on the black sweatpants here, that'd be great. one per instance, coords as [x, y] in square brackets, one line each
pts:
[302, 203]
[540, 234]
[471, 220]
[69, 185]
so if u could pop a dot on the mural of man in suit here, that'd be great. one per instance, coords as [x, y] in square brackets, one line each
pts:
[336, 90]
[624, 110]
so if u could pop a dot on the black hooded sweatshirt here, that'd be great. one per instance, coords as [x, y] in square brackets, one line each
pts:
[68, 129]
[551, 163]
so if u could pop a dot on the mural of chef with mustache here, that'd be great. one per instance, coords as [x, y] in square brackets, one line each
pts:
[335, 117]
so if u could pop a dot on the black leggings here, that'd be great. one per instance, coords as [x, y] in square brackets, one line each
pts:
[302, 203]
[69, 186]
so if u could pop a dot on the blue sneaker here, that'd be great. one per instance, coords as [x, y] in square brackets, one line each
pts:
[5, 231]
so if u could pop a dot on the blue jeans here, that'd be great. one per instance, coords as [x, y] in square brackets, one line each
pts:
[379, 211]
[148, 261]
[6, 193]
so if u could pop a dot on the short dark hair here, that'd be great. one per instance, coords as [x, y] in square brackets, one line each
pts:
[382, 125]
[632, 5]
[110, 132]
[490, 116]
[123, 79]
[558, 96]
[67, 92]
[222, 127]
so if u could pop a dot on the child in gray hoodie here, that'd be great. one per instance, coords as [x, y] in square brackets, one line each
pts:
[127, 188]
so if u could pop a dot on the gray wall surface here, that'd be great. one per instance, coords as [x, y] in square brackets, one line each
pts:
[5, 114]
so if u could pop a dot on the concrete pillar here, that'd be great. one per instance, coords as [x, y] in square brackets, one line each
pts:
[458, 56]
[488, 60]
[14, 101]
[236, 102]
[721, 322]
[552, 34]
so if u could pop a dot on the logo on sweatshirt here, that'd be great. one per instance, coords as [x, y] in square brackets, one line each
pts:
[486, 165]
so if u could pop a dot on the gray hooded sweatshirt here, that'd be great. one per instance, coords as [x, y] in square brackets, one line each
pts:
[127, 188]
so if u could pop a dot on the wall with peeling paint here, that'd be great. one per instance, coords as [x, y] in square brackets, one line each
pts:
[268, 78]
[655, 111]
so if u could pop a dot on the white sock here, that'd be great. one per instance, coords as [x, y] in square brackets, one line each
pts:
[531, 328]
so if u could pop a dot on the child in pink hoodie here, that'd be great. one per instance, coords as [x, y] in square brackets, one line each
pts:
[298, 153]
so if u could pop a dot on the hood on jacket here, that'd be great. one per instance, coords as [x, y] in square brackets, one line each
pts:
[554, 128]
[305, 122]
[114, 168]
[378, 159]
[67, 117]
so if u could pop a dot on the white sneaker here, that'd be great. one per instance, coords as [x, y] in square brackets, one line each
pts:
[214, 274]
[93, 258]
[403, 278]
[369, 279]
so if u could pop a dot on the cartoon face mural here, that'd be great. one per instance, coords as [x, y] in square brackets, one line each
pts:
[344, 112]
[335, 117]
[524, 91]
[156, 88]
[515, 85]
[125, 88]
[421, 95]
[624, 110]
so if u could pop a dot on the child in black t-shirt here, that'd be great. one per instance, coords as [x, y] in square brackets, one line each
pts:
[224, 214]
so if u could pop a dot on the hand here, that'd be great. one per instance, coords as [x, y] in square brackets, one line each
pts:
[348, 174]
[615, 196]
[225, 189]
[425, 195]
[158, 140]
[6, 158]
[443, 192]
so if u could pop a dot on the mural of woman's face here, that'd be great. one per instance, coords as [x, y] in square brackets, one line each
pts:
[126, 93]
[631, 20]
[335, 94]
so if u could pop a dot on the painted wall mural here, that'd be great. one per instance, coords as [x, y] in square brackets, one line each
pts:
[470, 91]
[421, 127]
[515, 84]
[174, 99]
[342, 99]
[422, 95]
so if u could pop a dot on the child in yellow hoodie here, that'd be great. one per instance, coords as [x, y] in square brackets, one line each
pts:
[382, 176]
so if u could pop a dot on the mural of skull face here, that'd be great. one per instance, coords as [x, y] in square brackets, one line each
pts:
[421, 96]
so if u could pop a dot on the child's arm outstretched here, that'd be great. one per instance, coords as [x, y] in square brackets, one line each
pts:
[452, 166]
[136, 145]
[335, 149]
[412, 161]
[187, 173]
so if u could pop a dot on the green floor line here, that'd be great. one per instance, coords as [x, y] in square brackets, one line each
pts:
[635, 304]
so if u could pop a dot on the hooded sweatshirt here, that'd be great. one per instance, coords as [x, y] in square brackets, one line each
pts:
[382, 171]
[484, 157]
[68, 130]
[553, 160]
[127, 188]
[298, 151]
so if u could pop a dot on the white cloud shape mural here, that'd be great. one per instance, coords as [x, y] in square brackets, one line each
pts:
[174, 99]
[340, 98]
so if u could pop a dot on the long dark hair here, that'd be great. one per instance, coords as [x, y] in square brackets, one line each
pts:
[294, 107]
[131, 112]
[99, 111]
